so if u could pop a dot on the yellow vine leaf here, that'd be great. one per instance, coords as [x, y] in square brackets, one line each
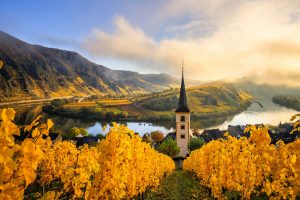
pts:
[18, 160]
[51, 195]
[34, 122]
[35, 133]
[49, 123]
[294, 117]
[29, 176]
[8, 114]
[294, 158]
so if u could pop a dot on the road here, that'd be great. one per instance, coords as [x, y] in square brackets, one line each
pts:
[33, 101]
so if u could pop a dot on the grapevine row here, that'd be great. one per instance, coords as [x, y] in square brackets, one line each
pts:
[120, 166]
[250, 166]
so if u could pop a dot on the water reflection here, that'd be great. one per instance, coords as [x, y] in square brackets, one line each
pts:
[138, 127]
[253, 115]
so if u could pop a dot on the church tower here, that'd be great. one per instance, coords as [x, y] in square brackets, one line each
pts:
[182, 121]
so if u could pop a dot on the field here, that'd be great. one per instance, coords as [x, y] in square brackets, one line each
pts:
[210, 100]
[80, 104]
[103, 102]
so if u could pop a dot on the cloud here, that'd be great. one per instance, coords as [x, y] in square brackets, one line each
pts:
[193, 29]
[126, 42]
[224, 39]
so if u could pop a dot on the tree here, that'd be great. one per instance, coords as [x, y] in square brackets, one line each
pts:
[195, 143]
[110, 115]
[157, 136]
[169, 147]
[100, 136]
[73, 132]
[83, 131]
[146, 138]
[122, 115]
[85, 110]
[58, 102]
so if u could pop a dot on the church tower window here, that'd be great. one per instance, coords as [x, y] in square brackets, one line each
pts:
[182, 118]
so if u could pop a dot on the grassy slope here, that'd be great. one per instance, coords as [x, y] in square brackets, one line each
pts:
[209, 98]
[204, 101]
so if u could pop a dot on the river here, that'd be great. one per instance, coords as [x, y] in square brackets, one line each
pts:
[272, 114]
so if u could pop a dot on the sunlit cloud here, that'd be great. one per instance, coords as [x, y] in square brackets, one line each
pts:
[221, 40]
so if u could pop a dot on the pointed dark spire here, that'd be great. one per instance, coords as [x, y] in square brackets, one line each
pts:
[182, 103]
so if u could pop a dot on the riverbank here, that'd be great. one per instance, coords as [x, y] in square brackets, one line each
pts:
[30, 102]
[253, 115]
[288, 101]
[133, 112]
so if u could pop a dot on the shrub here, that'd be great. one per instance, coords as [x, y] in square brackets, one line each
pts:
[58, 102]
[100, 136]
[169, 147]
[157, 136]
[195, 143]
[75, 131]
[83, 131]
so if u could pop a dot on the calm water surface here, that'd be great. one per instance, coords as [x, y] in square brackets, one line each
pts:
[272, 114]
[256, 115]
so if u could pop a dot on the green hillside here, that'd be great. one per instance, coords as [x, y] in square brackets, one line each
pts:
[206, 99]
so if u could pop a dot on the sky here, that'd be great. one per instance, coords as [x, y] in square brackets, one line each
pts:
[218, 39]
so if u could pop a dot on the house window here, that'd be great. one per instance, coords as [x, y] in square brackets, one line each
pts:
[182, 136]
[182, 118]
[182, 127]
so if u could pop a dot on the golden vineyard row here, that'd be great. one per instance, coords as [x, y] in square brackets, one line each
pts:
[121, 166]
[250, 166]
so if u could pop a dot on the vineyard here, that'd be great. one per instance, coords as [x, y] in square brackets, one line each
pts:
[123, 167]
[250, 166]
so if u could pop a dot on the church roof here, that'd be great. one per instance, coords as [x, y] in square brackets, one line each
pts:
[182, 103]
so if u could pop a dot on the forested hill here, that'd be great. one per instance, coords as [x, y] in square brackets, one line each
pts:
[288, 101]
[33, 71]
[208, 98]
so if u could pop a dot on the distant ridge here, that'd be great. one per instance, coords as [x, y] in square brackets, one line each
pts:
[34, 71]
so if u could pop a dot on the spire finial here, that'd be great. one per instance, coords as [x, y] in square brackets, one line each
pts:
[182, 65]
[182, 103]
